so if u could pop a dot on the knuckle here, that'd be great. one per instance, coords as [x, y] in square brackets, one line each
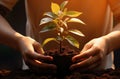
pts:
[87, 45]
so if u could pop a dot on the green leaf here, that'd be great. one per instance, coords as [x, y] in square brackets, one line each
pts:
[55, 8]
[50, 14]
[76, 20]
[72, 41]
[77, 32]
[48, 40]
[62, 6]
[73, 13]
[49, 27]
[45, 20]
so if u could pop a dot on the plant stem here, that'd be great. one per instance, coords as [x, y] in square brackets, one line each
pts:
[60, 46]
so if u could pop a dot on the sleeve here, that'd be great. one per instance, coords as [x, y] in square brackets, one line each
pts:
[6, 6]
[8, 3]
[115, 7]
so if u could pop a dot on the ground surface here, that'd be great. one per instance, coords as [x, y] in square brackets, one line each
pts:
[27, 74]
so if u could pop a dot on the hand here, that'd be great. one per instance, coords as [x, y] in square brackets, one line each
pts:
[32, 53]
[92, 55]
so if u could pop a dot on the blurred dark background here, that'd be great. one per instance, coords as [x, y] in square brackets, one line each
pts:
[117, 58]
[10, 58]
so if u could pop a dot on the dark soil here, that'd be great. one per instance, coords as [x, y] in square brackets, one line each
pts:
[28, 74]
[62, 60]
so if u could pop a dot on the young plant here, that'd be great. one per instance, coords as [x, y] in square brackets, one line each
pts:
[57, 20]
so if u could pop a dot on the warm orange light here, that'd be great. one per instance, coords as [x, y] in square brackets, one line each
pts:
[38, 61]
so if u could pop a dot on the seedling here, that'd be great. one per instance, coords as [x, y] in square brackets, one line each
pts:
[57, 20]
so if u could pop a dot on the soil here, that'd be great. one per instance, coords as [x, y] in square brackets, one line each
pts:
[63, 61]
[28, 74]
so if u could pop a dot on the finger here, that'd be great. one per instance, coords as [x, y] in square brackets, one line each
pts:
[85, 63]
[30, 53]
[38, 48]
[39, 57]
[92, 67]
[45, 65]
[86, 54]
[79, 64]
[39, 65]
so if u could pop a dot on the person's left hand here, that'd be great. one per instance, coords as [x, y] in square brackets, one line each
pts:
[91, 56]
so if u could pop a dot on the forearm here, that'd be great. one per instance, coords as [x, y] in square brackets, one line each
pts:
[8, 36]
[113, 38]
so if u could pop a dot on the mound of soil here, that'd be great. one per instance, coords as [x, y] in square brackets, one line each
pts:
[62, 59]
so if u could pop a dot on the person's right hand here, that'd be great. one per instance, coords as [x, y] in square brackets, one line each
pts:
[32, 53]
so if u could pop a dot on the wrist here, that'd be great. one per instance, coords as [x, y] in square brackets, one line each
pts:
[108, 43]
[18, 38]
[113, 40]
